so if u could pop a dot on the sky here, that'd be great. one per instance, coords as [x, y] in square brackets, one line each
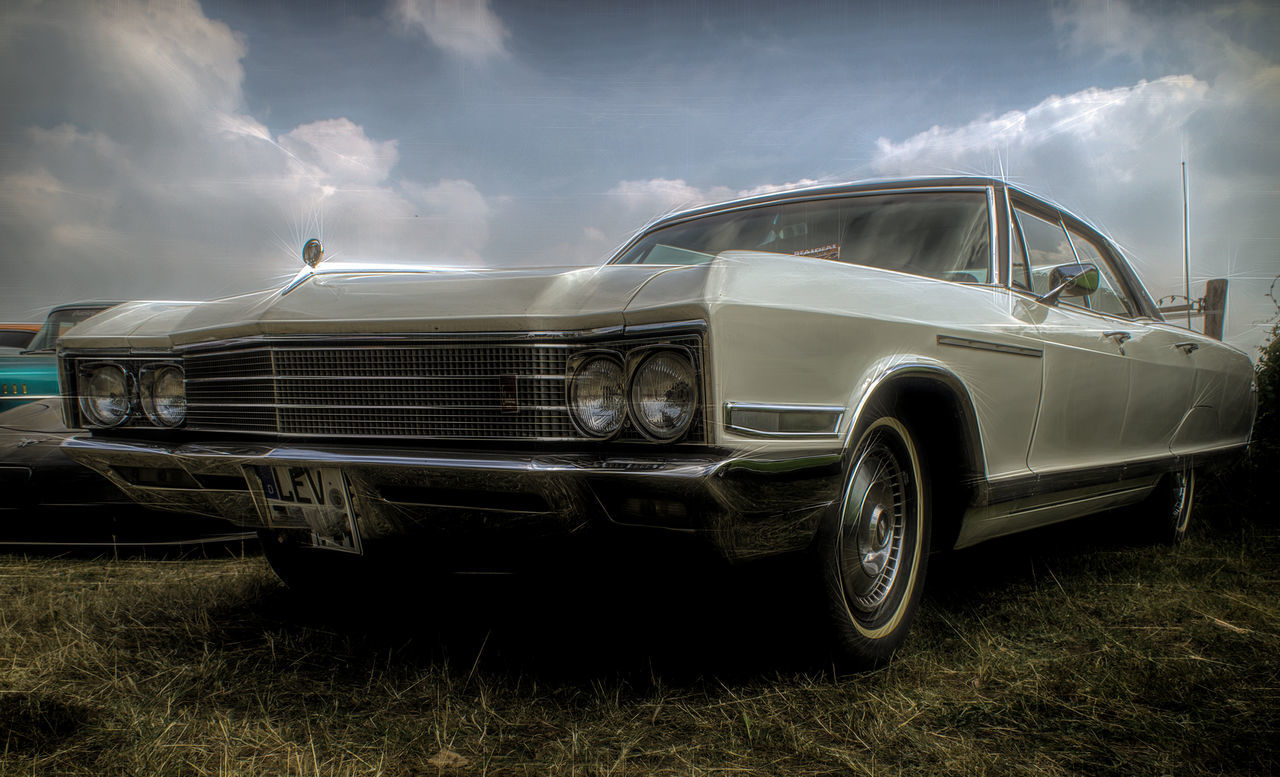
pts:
[186, 150]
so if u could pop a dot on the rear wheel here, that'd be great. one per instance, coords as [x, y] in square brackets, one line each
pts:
[873, 550]
[1167, 511]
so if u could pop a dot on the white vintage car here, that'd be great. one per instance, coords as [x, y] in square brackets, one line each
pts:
[864, 372]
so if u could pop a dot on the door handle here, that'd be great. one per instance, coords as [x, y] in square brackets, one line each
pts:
[1119, 337]
[1187, 348]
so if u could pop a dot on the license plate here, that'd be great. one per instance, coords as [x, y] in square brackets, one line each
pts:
[315, 498]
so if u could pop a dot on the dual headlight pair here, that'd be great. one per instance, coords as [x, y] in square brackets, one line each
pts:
[660, 393]
[111, 394]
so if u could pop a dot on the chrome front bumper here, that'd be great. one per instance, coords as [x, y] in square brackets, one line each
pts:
[745, 504]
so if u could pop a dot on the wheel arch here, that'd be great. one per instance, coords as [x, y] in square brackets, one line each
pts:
[937, 408]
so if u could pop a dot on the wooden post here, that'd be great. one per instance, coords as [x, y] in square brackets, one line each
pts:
[1215, 307]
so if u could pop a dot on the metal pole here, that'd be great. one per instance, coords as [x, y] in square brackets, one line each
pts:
[1186, 246]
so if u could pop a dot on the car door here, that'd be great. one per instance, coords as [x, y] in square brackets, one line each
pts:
[1161, 365]
[1086, 370]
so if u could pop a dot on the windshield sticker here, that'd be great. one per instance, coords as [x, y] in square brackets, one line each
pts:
[831, 251]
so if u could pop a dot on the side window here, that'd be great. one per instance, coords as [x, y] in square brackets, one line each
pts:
[1047, 247]
[1110, 297]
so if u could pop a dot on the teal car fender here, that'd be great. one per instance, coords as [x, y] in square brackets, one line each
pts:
[27, 377]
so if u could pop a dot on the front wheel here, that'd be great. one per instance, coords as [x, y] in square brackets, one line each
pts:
[873, 549]
[313, 572]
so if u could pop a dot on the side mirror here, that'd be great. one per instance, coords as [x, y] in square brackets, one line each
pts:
[1072, 280]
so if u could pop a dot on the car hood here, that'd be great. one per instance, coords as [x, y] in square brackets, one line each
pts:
[395, 301]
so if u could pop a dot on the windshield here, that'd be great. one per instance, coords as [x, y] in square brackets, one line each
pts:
[57, 324]
[937, 234]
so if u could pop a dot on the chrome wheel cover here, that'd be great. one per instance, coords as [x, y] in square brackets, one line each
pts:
[872, 526]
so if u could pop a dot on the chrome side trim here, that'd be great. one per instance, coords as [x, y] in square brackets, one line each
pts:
[836, 411]
[987, 345]
[985, 522]
[1039, 484]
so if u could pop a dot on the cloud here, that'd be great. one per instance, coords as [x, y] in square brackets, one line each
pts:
[338, 151]
[1112, 30]
[657, 197]
[457, 216]
[1106, 132]
[630, 205]
[137, 171]
[1114, 155]
[1210, 40]
[467, 28]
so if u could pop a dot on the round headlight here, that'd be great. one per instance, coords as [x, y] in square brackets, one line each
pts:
[664, 394]
[104, 399]
[597, 398]
[164, 395]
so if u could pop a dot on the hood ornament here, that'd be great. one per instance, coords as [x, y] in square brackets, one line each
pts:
[312, 252]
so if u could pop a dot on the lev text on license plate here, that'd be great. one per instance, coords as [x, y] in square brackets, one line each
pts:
[315, 498]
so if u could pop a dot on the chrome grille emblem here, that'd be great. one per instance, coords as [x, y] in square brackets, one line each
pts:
[509, 393]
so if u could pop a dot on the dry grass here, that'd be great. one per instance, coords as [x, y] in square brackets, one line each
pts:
[1045, 654]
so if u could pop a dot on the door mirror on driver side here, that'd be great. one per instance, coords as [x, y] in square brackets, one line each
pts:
[1072, 280]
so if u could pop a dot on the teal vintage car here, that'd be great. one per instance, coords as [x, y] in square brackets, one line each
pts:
[32, 373]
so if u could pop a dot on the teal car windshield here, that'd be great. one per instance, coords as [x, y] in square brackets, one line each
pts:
[941, 235]
[57, 324]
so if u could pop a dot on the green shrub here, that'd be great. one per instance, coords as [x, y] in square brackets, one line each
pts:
[1265, 451]
[1244, 493]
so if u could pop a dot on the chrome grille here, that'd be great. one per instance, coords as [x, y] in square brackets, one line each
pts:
[412, 390]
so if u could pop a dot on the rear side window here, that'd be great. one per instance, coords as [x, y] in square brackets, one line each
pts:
[942, 235]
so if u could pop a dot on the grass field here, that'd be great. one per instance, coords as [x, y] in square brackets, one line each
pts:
[1070, 651]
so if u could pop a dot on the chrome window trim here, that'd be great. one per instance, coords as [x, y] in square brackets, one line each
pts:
[1144, 306]
[993, 232]
[837, 410]
[1126, 297]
